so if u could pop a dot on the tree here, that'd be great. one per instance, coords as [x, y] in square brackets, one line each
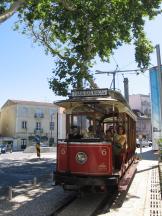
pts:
[74, 32]
[8, 8]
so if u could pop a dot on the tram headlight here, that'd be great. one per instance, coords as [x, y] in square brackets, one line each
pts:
[81, 157]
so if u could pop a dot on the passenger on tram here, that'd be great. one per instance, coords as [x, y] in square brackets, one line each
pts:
[121, 137]
[100, 132]
[74, 133]
[120, 146]
[90, 133]
[111, 128]
[108, 136]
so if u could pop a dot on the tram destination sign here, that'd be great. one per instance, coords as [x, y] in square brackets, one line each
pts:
[89, 92]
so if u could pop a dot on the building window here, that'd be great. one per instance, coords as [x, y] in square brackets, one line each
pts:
[51, 125]
[24, 111]
[143, 125]
[38, 125]
[52, 111]
[24, 124]
[39, 113]
[23, 144]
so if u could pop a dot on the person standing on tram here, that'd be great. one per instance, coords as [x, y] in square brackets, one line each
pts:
[91, 132]
[100, 131]
[108, 136]
[121, 137]
[120, 147]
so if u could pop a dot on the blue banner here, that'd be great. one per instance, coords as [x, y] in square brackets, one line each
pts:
[156, 106]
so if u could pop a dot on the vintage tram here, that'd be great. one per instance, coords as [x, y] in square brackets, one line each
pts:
[87, 158]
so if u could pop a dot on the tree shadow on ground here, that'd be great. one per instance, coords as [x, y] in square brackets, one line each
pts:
[15, 173]
[46, 199]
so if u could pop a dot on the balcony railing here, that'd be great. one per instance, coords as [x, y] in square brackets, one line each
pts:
[38, 130]
[39, 115]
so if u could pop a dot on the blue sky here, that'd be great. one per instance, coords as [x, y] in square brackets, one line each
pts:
[25, 69]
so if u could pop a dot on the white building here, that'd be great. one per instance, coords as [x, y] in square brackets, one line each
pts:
[21, 121]
[141, 105]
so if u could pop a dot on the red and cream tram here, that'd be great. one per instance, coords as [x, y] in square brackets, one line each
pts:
[85, 157]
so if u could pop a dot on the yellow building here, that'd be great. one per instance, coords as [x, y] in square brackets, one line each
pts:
[21, 121]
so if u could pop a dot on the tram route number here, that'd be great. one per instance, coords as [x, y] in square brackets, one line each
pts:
[104, 152]
[63, 151]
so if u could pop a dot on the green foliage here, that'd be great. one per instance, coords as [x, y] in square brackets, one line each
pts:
[68, 73]
[143, 49]
[4, 5]
[75, 31]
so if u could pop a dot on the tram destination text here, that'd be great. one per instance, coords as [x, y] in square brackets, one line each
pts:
[89, 93]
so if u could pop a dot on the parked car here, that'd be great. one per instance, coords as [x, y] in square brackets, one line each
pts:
[3, 148]
[150, 142]
[144, 143]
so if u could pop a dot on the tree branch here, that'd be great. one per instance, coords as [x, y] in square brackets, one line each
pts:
[44, 40]
[67, 5]
[13, 8]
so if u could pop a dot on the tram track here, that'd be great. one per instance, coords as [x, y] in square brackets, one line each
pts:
[97, 203]
[90, 205]
[64, 204]
[86, 205]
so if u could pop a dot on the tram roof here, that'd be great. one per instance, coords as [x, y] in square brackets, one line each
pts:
[113, 98]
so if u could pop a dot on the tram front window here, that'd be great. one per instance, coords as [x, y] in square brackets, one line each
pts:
[84, 126]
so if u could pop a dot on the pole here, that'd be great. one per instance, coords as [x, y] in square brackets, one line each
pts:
[52, 128]
[159, 71]
[160, 87]
[158, 57]
[114, 73]
[10, 193]
[126, 89]
[51, 131]
[35, 181]
[140, 142]
[37, 139]
[38, 149]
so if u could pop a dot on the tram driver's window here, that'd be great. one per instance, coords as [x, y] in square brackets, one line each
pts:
[86, 125]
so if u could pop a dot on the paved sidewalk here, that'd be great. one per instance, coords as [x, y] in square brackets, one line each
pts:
[144, 196]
